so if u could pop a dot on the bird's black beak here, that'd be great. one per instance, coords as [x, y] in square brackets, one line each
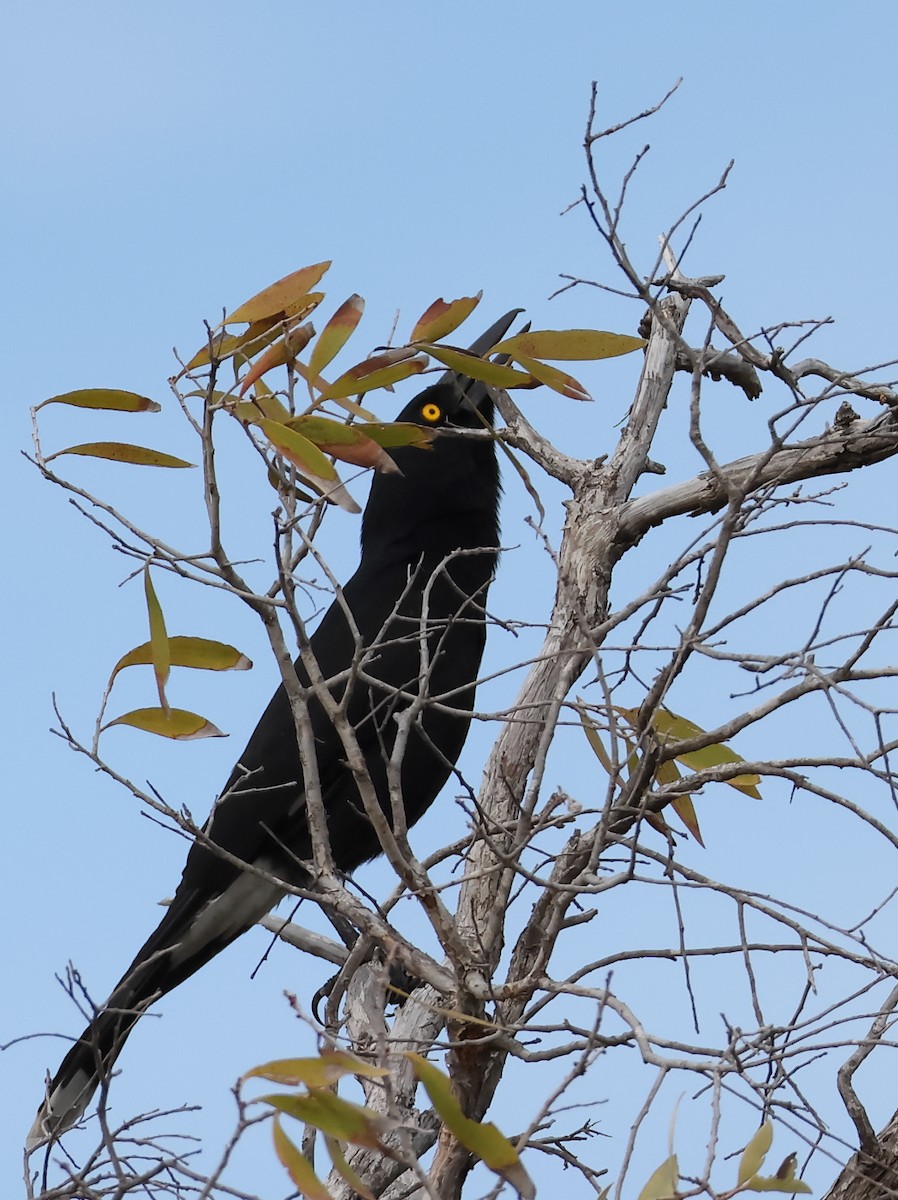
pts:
[470, 392]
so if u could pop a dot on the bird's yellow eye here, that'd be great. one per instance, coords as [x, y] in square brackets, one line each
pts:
[431, 412]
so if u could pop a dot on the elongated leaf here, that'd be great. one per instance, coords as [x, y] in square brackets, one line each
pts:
[110, 399]
[200, 653]
[259, 335]
[159, 653]
[785, 1179]
[682, 729]
[303, 454]
[345, 1171]
[334, 1116]
[355, 382]
[592, 736]
[400, 433]
[139, 456]
[277, 355]
[482, 1138]
[558, 381]
[487, 372]
[662, 1183]
[297, 449]
[280, 297]
[755, 1152]
[321, 1071]
[348, 443]
[441, 318]
[175, 723]
[571, 344]
[669, 772]
[301, 1172]
[336, 334]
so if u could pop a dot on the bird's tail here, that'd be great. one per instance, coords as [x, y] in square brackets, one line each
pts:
[88, 1064]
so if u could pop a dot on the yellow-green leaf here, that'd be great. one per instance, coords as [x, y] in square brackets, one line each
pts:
[785, 1179]
[383, 370]
[681, 729]
[321, 1071]
[441, 318]
[159, 653]
[301, 1172]
[592, 736]
[200, 653]
[570, 344]
[669, 772]
[345, 1171]
[747, 784]
[662, 1183]
[400, 433]
[348, 443]
[139, 456]
[280, 297]
[336, 334]
[297, 449]
[482, 1138]
[110, 399]
[333, 1115]
[175, 723]
[471, 365]
[558, 381]
[755, 1152]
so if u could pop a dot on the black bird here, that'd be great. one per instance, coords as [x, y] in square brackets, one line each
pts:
[430, 538]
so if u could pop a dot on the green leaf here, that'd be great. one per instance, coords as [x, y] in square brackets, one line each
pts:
[301, 1172]
[140, 456]
[482, 1138]
[348, 443]
[334, 1116]
[755, 1152]
[310, 462]
[571, 344]
[681, 729]
[336, 334]
[200, 653]
[297, 449]
[592, 736]
[159, 653]
[345, 1171]
[400, 433]
[175, 723]
[662, 1183]
[493, 374]
[441, 318]
[110, 399]
[280, 297]
[785, 1179]
[318, 1072]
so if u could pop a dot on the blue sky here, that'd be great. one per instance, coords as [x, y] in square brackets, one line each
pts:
[164, 162]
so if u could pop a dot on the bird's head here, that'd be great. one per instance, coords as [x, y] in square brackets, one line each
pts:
[455, 482]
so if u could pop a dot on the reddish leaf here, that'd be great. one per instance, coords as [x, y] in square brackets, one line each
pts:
[441, 318]
[336, 334]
